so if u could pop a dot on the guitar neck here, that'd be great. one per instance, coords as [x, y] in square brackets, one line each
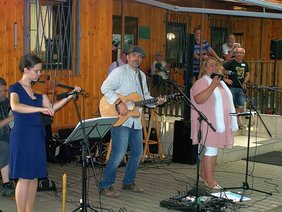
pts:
[145, 102]
[153, 100]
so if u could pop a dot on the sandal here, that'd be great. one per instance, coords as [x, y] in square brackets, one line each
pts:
[201, 179]
[215, 187]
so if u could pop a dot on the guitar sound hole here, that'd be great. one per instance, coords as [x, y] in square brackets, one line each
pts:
[130, 105]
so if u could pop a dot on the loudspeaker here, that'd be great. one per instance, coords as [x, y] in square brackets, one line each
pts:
[183, 150]
[276, 49]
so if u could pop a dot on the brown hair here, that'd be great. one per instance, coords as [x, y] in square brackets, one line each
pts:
[197, 28]
[28, 61]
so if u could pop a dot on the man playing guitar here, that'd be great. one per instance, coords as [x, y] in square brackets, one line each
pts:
[125, 80]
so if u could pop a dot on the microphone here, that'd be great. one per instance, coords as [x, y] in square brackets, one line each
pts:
[220, 76]
[66, 94]
[231, 73]
[161, 68]
[164, 69]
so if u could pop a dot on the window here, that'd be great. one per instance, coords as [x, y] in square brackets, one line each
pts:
[218, 37]
[48, 32]
[177, 29]
[130, 33]
[175, 44]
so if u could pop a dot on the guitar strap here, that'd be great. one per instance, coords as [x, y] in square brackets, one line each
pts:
[141, 84]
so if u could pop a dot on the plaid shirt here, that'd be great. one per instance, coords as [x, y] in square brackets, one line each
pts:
[4, 113]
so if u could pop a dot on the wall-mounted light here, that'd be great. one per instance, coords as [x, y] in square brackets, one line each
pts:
[15, 35]
[170, 36]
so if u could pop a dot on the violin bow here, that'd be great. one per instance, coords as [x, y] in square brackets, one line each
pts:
[53, 88]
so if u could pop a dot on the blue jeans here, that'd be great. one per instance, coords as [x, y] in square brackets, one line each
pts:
[238, 96]
[121, 138]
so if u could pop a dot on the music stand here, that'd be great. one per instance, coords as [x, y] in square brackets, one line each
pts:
[245, 185]
[89, 128]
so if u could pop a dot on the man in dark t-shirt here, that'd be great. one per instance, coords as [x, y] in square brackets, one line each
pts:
[237, 71]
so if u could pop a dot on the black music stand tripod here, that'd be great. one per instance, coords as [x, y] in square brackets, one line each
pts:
[89, 128]
[245, 185]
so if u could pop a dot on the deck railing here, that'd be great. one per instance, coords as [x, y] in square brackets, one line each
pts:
[264, 89]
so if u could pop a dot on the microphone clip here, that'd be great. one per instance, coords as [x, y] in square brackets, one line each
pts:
[74, 93]
[231, 73]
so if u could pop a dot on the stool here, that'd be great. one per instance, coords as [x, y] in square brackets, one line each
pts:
[147, 132]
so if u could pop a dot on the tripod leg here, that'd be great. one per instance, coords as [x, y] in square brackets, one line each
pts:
[92, 209]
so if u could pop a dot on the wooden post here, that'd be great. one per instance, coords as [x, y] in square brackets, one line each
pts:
[64, 192]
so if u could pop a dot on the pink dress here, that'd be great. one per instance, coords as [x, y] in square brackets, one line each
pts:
[209, 137]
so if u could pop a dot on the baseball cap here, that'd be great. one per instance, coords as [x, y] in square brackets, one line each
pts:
[136, 49]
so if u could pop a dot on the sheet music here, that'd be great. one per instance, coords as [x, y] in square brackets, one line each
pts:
[235, 197]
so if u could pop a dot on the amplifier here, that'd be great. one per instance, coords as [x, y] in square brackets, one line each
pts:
[183, 150]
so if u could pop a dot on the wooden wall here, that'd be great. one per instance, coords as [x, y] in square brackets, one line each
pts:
[257, 32]
[11, 12]
[95, 51]
[150, 17]
[95, 44]
[256, 36]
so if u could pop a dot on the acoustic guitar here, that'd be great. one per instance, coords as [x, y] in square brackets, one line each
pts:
[133, 101]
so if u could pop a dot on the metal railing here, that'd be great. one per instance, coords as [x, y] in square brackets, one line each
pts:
[157, 86]
[267, 99]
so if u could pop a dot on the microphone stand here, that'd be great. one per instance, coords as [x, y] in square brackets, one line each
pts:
[201, 118]
[245, 185]
[253, 106]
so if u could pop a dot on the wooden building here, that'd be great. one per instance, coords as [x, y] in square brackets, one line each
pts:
[93, 24]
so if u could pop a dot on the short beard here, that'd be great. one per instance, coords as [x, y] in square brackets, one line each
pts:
[135, 64]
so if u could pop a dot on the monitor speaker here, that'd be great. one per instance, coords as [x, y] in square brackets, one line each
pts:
[276, 49]
[183, 150]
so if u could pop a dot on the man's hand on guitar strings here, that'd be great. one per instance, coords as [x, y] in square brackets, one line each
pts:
[160, 100]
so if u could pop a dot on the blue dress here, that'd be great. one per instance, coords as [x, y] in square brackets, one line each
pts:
[27, 139]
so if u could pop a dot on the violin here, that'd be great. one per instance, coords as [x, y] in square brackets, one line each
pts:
[43, 85]
[46, 86]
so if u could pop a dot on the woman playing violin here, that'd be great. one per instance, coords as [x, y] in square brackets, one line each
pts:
[27, 141]
[212, 97]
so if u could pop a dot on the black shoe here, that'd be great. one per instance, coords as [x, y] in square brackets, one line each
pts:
[8, 190]
[109, 192]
